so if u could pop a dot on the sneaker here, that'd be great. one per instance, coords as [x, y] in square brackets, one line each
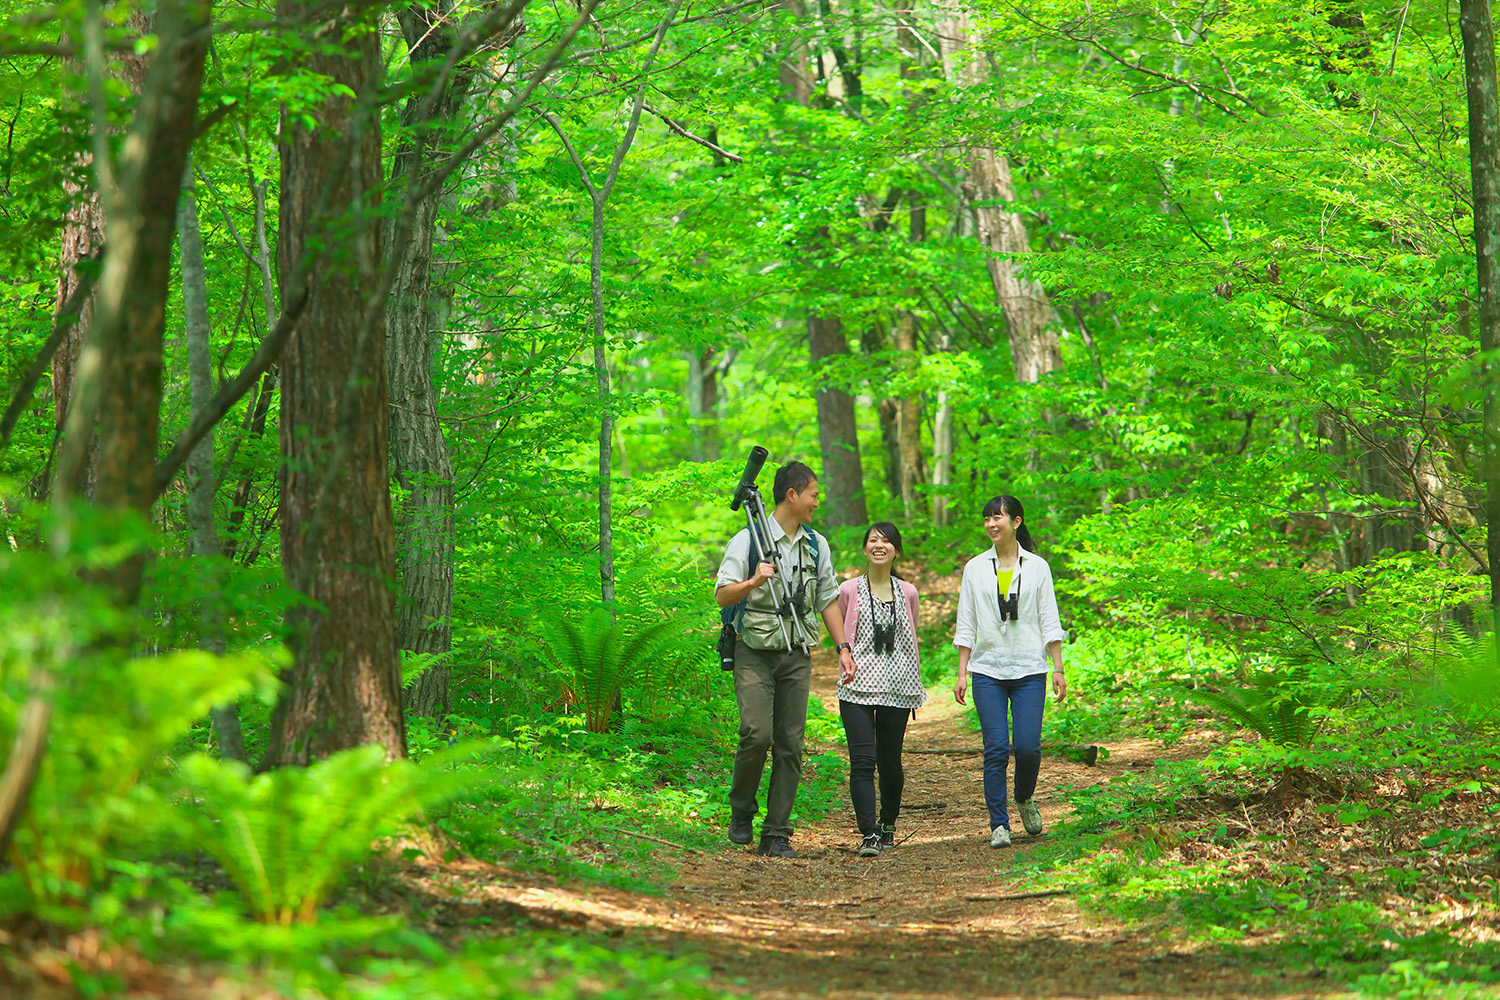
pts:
[887, 835]
[1000, 837]
[871, 846]
[741, 830]
[1031, 817]
[776, 847]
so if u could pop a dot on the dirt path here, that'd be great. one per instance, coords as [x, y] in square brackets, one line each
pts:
[923, 920]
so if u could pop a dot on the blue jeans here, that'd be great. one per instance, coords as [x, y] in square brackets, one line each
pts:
[998, 702]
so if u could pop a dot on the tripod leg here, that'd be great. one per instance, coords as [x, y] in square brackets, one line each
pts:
[798, 634]
[761, 532]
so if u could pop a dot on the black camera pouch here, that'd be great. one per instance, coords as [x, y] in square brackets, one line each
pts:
[728, 634]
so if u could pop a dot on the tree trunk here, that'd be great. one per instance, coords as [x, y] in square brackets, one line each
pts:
[118, 377]
[909, 408]
[872, 340]
[838, 434]
[118, 371]
[255, 424]
[1484, 169]
[81, 237]
[942, 449]
[704, 370]
[909, 418]
[1030, 320]
[424, 524]
[337, 537]
[200, 465]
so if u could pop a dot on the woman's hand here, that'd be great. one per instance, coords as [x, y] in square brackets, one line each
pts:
[846, 666]
[961, 688]
[1059, 682]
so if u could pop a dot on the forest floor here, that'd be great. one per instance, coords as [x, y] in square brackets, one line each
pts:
[941, 915]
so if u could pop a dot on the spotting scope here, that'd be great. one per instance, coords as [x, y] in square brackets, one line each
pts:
[758, 456]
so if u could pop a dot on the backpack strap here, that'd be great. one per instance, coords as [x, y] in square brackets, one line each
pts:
[735, 613]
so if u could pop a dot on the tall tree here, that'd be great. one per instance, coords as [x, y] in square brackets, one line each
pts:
[200, 466]
[909, 407]
[838, 432]
[705, 368]
[343, 688]
[79, 241]
[118, 376]
[419, 453]
[598, 198]
[1478, 30]
[1029, 317]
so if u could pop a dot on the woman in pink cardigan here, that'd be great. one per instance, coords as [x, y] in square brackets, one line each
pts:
[885, 687]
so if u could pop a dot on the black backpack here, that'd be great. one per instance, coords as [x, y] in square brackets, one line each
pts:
[732, 618]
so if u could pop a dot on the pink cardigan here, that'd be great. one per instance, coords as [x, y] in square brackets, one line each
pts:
[849, 607]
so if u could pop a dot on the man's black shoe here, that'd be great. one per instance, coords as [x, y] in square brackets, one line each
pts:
[741, 829]
[776, 847]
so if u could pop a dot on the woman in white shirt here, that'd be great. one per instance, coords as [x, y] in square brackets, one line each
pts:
[878, 695]
[1007, 631]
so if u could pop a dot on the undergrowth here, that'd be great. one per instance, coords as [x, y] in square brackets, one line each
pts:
[1384, 882]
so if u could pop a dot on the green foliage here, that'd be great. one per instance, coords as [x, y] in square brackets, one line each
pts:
[1282, 707]
[286, 837]
[113, 714]
[601, 654]
[1268, 393]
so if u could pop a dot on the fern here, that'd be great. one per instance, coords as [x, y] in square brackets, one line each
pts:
[1279, 706]
[414, 665]
[285, 838]
[602, 655]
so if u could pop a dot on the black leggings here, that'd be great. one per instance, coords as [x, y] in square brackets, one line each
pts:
[874, 734]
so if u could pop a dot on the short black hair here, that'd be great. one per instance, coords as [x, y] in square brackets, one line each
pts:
[792, 476]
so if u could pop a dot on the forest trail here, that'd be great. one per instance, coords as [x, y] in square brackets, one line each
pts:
[930, 918]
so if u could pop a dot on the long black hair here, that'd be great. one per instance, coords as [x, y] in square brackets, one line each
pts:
[1010, 507]
[890, 533]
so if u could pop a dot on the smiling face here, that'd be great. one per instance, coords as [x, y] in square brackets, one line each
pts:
[1001, 528]
[880, 550]
[801, 505]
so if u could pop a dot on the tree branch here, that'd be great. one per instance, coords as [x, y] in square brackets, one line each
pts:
[60, 327]
[675, 127]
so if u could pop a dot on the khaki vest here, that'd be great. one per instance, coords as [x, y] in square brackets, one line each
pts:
[761, 625]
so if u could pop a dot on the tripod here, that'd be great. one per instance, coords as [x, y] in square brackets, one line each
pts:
[760, 531]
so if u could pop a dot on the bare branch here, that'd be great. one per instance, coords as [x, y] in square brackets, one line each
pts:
[675, 127]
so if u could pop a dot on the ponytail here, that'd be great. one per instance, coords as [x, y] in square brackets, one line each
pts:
[1011, 507]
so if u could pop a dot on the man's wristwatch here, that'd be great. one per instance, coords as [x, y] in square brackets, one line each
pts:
[845, 645]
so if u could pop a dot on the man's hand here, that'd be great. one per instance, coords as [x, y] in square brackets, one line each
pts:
[847, 668]
[763, 572]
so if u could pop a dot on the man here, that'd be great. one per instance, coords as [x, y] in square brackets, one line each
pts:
[772, 677]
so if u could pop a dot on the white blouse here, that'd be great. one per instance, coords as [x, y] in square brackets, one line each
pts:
[1015, 648]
